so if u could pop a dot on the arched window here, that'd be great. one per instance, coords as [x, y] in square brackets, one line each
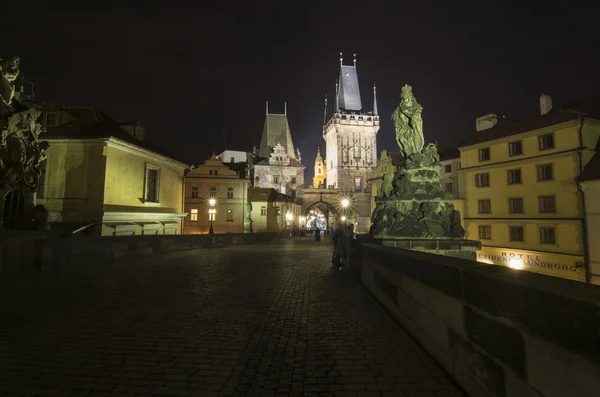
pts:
[263, 210]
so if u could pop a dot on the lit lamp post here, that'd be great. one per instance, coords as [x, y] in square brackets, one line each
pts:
[212, 211]
[289, 218]
[345, 204]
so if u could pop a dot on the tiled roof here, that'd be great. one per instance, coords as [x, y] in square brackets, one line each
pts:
[509, 127]
[448, 153]
[276, 130]
[90, 123]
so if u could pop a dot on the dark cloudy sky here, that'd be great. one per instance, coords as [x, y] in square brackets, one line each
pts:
[191, 72]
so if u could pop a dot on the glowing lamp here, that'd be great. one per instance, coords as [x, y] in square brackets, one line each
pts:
[212, 202]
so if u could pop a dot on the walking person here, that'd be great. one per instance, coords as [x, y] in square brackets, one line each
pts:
[337, 238]
[318, 234]
[347, 245]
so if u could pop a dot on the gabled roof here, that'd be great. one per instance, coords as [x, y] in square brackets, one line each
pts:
[213, 168]
[91, 123]
[509, 127]
[276, 130]
[448, 153]
[348, 92]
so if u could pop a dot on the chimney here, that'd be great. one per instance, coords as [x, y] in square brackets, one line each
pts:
[486, 122]
[545, 104]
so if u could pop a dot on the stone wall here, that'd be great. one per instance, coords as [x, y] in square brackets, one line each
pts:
[496, 331]
[35, 251]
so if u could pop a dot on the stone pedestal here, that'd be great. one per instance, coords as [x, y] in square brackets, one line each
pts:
[458, 248]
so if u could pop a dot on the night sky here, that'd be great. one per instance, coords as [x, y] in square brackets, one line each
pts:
[195, 75]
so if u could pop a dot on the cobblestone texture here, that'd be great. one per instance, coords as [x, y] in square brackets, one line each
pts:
[262, 320]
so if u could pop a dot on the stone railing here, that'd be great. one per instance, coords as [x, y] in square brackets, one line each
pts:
[33, 251]
[496, 331]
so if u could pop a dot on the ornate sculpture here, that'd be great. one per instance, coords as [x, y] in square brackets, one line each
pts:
[412, 204]
[409, 124]
[20, 151]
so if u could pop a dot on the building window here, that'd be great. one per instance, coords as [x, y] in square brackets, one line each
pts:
[514, 177]
[275, 179]
[293, 180]
[318, 172]
[51, 119]
[194, 214]
[449, 187]
[41, 192]
[516, 233]
[232, 159]
[515, 205]
[485, 206]
[484, 154]
[263, 210]
[293, 193]
[357, 183]
[152, 184]
[277, 211]
[544, 172]
[515, 148]
[212, 191]
[229, 215]
[482, 180]
[216, 172]
[548, 235]
[547, 204]
[485, 232]
[546, 141]
[448, 168]
[194, 191]
[209, 172]
[229, 192]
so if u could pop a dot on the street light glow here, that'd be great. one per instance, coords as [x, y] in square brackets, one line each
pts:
[345, 203]
[343, 219]
[212, 202]
[289, 216]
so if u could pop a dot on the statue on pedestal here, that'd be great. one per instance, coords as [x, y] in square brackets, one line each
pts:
[412, 204]
[20, 150]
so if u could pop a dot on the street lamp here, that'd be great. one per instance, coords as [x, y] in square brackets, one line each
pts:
[345, 203]
[212, 211]
[289, 218]
[343, 219]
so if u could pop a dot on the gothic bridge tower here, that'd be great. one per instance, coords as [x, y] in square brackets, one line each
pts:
[350, 135]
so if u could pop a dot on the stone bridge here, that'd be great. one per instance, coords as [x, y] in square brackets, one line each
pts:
[262, 318]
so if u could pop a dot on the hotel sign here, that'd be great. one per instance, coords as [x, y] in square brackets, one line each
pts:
[558, 265]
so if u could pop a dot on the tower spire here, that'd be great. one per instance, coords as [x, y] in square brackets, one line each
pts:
[341, 59]
[325, 112]
[267, 108]
[375, 112]
[354, 60]
[337, 96]
[285, 108]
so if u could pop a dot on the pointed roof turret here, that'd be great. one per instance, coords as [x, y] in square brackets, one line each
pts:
[318, 158]
[276, 130]
[375, 111]
[348, 92]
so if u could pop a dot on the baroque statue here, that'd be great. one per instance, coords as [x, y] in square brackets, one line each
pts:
[21, 152]
[409, 124]
[412, 203]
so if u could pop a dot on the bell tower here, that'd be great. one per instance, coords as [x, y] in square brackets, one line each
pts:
[320, 171]
[350, 135]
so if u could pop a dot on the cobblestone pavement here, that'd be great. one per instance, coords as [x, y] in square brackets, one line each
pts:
[262, 320]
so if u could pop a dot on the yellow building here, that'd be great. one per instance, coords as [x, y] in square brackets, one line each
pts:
[273, 211]
[104, 177]
[320, 171]
[590, 185]
[214, 180]
[520, 190]
[387, 163]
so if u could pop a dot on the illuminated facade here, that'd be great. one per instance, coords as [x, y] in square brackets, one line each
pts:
[278, 164]
[103, 177]
[590, 185]
[520, 189]
[214, 180]
[320, 171]
[388, 163]
[270, 210]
